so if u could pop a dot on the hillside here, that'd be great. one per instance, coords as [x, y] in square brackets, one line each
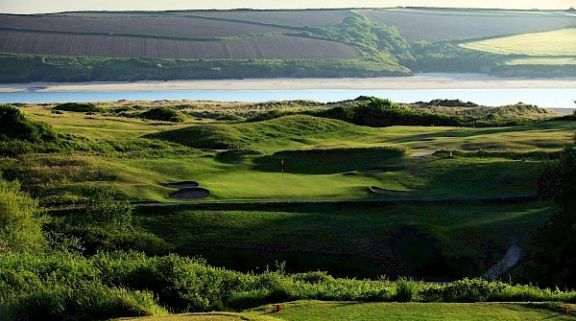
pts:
[441, 25]
[85, 46]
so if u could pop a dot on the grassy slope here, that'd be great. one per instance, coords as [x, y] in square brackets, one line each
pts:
[16, 67]
[374, 239]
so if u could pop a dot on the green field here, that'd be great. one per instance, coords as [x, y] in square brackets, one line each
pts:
[556, 43]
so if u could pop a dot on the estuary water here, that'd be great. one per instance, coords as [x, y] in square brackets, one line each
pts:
[479, 89]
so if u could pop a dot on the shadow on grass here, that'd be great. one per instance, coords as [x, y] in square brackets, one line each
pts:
[331, 161]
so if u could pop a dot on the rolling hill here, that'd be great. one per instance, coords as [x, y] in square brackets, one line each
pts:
[438, 25]
[270, 43]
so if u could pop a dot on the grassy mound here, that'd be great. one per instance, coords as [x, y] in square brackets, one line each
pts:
[163, 114]
[19, 134]
[377, 112]
[285, 129]
[78, 107]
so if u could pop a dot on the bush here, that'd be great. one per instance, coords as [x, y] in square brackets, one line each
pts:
[313, 277]
[472, 290]
[89, 301]
[553, 262]
[20, 220]
[104, 210]
[248, 299]
[377, 112]
[94, 239]
[14, 125]
[163, 114]
[78, 107]
[406, 290]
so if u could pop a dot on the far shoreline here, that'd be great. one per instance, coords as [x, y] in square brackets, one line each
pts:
[418, 81]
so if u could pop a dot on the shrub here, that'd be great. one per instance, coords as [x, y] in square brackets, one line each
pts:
[83, 301]
[472, 290]
[406, 290]
[377, 112]
[20, 220]
[103, 209]
[248, 299]
[163, 114]
[553, 261]
[14, 125]
[94, 239]
[78, 107]
[313, 277]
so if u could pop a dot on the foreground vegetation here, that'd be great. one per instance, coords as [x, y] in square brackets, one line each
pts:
[110, 285]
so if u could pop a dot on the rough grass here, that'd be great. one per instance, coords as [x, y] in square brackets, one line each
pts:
[550, 44]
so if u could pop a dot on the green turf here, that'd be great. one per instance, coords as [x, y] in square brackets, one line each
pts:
[319, 311]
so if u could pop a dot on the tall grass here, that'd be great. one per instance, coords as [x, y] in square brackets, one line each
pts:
[120, 284]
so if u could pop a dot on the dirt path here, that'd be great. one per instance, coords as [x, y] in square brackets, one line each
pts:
[510, 259]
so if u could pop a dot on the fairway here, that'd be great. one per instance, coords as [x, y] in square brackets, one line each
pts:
[552, 43]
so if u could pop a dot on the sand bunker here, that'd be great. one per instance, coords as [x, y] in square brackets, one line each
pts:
[187, 190]
[382, 191]
[190, 194]
[182, 185]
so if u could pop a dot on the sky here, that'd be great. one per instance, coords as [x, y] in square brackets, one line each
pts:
[39, 6]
